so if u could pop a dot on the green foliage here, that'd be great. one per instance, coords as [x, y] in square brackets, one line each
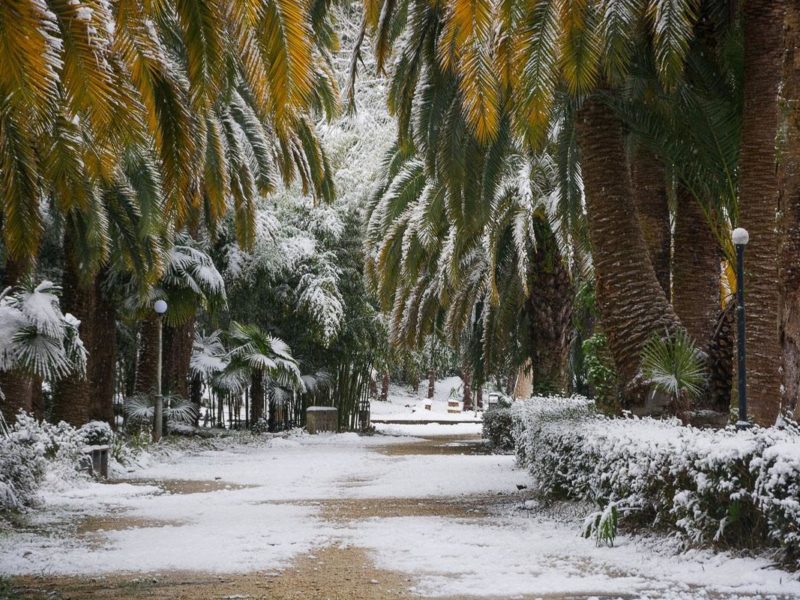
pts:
[601, 373]
[673, 365]
[602, 525]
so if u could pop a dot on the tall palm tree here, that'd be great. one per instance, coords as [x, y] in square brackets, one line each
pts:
[759, 194]
[267, 358]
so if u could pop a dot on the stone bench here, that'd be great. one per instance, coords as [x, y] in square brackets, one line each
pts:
[322, 418]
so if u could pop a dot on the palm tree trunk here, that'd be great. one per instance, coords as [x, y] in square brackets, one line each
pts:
[178, 342]
[467, 399]
[696, 270]
[431, 382]
[758, 202]
[550, 305]
[17, 393]
[650, 194]
[256, 398]
[789, 173]
[196, 397]
[147, 357]
[696, 298]
[72, 395]
[103, 354]
[385, 386]
[632, 302]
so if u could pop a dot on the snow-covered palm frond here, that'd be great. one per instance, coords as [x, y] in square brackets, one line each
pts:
[192, 269]
[316, 381]
[208, 355]
[262, 353]
[36, 337]
[140, 409]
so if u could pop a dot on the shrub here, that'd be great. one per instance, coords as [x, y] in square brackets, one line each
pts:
[27, 450]
[718, 487]
[497, 425]
[97, 433]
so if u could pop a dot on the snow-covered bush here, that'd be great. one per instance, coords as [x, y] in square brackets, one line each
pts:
[97, 433]
[27, 450]
[722, 487]
[497, 426]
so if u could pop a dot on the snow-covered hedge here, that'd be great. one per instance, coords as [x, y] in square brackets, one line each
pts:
[30, 448]
[722, 487]
[497, 426]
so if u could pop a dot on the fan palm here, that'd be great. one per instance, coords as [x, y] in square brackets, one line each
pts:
[37, 342]
[267, 358]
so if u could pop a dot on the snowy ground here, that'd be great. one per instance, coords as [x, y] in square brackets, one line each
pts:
[273, 512]
[403, 404]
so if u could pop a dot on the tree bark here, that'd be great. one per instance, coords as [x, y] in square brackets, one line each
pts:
[431, 382]
[196, 397]
[550, 304]
[696, 271]
[631, 300]
[147, 357]
[697, 265]
[72, 395]
[385, 387]
[758, 203]
[256, 398]
[103, 354]
[17, 392]
[467, 399]
[650, 194]
[178, 343]
[789, 203]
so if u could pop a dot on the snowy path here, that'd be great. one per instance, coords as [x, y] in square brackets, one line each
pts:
[450, 523]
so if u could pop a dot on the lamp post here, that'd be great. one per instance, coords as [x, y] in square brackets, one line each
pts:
[740, 239]
[160, 306]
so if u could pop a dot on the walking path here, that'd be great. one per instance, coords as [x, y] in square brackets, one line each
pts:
[345, 517]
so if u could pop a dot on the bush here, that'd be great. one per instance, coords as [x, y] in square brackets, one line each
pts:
[719, 487]
[27, 450]
[97, 433]
[497, 425]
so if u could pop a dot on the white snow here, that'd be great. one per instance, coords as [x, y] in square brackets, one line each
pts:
[403, 404]
[276, 518]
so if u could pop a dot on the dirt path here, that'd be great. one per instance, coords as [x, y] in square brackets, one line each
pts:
[335, 572]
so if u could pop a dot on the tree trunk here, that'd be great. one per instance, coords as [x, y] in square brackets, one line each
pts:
[467, 390]
[631, 300]
[758, 203]
[696, 299]
[178, 343]
[550, 304]
[103, 354]
[431, 382]
[147, 357]
[385, 386]
[479, 395]
[17, 393]
[196, 396]
[650, 195]
[256, 398]
[72, 395]
[696, 271]
[789, 174]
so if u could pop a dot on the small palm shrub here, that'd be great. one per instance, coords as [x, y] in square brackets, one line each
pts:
[674, 366]
[140, 410]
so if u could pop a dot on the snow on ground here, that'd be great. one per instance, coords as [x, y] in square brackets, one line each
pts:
[403, 404]
[277, 517]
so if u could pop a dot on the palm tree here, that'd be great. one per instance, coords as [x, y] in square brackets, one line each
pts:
[37, 343]
[759, 194]
[267, 359]
[789, 171]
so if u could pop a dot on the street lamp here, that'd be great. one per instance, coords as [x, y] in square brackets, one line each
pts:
[160, 306]
[740, 239]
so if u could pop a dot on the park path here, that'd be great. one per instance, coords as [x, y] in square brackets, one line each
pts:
[344, 517]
